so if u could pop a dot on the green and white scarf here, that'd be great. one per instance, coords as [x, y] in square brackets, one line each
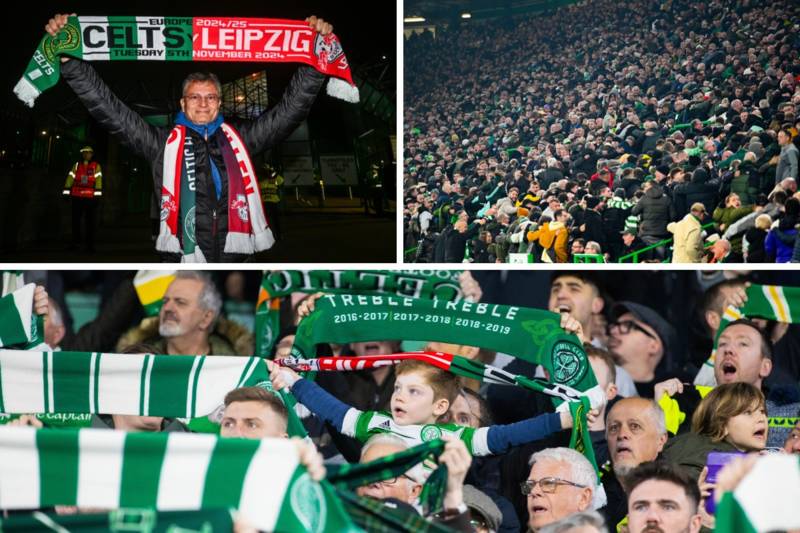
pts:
[104, 469]
[534, 335]
[423, 284]
[772, 302]
[765, 500]
[18, 325]
[158, 38]
[122, 384]
[127, 520]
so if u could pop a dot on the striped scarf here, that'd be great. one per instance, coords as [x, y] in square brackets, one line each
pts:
[144, 520]
[263, 479]
[579, 404]
[124, 38]
[427, 285]
[18, 325]
[772, 302]
[121, 384]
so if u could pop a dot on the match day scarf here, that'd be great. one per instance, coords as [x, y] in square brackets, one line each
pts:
[424, 284]
[174, 386]
[131, 520]
[19, 327]
[765, 500]
[104, 469]
[151, 285]
[248, 230]
[579, 405]
[122, 38]
[772, 302]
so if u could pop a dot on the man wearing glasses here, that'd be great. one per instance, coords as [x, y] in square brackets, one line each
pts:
[210, 209]
[561, 482]
[639, 340]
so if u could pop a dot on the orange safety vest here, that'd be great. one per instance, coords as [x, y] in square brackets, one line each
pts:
[85, 179]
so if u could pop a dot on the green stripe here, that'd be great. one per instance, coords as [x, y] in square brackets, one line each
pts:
[250, 363]
[45, 383]
[143, 383]
[169, 381]
[141, 470]
[71, 382]
[11, 329]
[194, 386]
[58, 467]
[2, 404]
[127, 27]
[287, 518]
[153, 308]
[730, 517]
[229, 461]
[96, 391]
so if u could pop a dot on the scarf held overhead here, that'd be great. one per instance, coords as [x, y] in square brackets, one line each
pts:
[773, 302]
[530, 334]
[424, 284]
[123, 38]
[121, 384]
[97, 468]
[18, 325]
[248, 230]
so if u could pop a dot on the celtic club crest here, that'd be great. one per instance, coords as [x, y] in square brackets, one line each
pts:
[308, 503]
[67, 40]
[188, 225]
[569, 363]
[430, 432]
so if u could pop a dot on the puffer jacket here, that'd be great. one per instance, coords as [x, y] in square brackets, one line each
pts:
[227, 338]
[211, 225]
[656, 210]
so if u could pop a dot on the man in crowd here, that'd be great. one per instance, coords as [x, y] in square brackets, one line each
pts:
[662, 498]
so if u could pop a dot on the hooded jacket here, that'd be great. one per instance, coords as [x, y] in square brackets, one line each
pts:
[147, 141]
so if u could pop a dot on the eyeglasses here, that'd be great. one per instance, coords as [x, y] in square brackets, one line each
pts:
[392, 480]
[625, 327]
[548, 484]
[197, 98]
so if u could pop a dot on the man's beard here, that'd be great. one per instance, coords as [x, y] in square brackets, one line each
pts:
[170, 329]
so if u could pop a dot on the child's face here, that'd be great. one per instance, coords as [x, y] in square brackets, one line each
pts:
[748, 430]
[412, 401]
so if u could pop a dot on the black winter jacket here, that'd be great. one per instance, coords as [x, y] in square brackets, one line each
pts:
[656, 210]
[211, 226]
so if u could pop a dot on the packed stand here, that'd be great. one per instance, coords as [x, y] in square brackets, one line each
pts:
[604, 128]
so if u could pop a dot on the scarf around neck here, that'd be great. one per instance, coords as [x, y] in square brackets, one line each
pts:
[248, 230]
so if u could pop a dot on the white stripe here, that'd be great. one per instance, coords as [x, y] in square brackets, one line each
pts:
[339, 365]
[23, 381]
[92, 384]
[100, 467]
[19, 468]
[251, 366]
[360, 365]
[48, 522]
[781, 475]
[218, 376]
[266, 482]
[50, 382]
[149, 359]
[156, 37]
[183, 472]
[190, 387]
[23, 301]
[118, 387]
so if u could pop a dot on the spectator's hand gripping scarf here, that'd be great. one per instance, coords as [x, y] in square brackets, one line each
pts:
[530, 334]
[104, 469]
[248, 231]
[772, 302]
[118, 38]
[438, 285]
[19, 327]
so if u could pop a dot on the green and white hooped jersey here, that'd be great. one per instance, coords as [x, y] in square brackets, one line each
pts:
[364, 424]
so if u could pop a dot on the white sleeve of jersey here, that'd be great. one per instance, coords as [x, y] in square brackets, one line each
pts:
[480, 442]
[350, 421]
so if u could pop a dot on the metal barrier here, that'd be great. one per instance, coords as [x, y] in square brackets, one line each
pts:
[588, 258]
[633, 257]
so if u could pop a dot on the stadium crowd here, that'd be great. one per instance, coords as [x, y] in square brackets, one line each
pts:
[653, 432]
[603, 128]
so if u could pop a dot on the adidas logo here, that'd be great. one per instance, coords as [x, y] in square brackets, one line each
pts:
[386, 425]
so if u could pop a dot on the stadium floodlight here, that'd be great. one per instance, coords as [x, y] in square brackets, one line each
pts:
[466, 15]
[414, 19]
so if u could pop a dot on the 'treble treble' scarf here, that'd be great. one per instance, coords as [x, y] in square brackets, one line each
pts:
[119, 38]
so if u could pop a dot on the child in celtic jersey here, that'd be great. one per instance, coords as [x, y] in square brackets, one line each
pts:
[422, 393]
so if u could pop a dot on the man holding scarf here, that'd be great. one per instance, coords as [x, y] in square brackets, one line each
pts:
[210, 206]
